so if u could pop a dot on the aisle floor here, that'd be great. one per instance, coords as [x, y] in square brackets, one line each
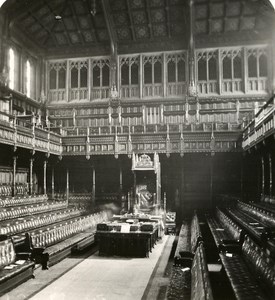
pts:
[100, 278]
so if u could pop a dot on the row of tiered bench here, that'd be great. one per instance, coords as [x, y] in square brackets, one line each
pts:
[35, 230]
[244, 236]
[129, 235]
[190, 277]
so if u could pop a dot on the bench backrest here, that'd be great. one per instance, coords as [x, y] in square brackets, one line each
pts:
[266, 217]
[7, 253]
[260, 264]
[200, 282]
[234, 230]
[196, 235]
[183, 245]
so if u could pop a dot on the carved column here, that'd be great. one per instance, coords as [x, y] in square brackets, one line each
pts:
[93, 187]
[211, 178]
[191, 52]
[140, 76]
[120, 179]
[45, 177]
[52, 182]
[270, 175]
[31, 175]
[263, 178]
[14, 176]
[67, 185]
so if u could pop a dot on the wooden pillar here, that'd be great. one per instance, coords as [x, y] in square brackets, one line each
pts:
[31, 176]
[180, 200]
[211, 179]
[67, 185]
[52, 182]
[93, 187]
[45, 177]
[134, 192]
[242, 179]
[270, 175]
[263, 177]
[120, 179]
[14, 176]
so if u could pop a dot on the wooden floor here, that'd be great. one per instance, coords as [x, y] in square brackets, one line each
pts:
[101, 278]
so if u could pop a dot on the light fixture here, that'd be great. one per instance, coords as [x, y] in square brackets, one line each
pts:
[93, 7]
[58, 17]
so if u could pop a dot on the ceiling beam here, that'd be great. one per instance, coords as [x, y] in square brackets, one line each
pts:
[92, 23]
[109, 22]
[149, 17]
[131, 21]
[54, 24]
[167, 18]
[75, 18]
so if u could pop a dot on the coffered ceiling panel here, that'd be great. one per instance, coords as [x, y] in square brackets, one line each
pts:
[71, 25]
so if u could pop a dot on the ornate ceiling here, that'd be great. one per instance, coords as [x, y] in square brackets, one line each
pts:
[135, 25]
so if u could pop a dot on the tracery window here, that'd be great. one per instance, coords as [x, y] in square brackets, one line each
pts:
[11, 68]
[101, 73]
[257, 62]
[232, 64]
[176, 68]
[207, 65]
[129, 70]
[79, 74]
[152, 69]
[57, 75]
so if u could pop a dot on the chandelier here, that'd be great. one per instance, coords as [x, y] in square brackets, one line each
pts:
[93, 7]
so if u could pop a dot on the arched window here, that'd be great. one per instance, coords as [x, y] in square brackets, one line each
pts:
[96, 76]
[157, 72]
[28, 78]
[125, 74]
[105, 75]
[237, 65]
[83, 77]
[263, 65]
[252, 66]
[202, 69]
[74, 77]
[227, 70]
[181, 70]
[171, 71]
[212, 67]
[134, 73]
[61, 78]
[53, 75]
[11, 68]
[148, 73]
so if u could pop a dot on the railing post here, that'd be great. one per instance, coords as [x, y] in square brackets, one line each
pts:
[14, 176]
[31, 176]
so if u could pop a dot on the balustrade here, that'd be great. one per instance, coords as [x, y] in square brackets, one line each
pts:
[57, 95]
[207, 87]
[232, 86]
[100, 93]
[129, 91]
[79, 94]
[175, 89]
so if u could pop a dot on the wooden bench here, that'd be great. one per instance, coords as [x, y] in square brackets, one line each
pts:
[191, 283]
[251, 273]
[227, 235]
[200, 281]
[13, 271]
[254, 226]
[73, 236]
[188, 240]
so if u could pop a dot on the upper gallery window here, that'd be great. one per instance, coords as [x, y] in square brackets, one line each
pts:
[11, 68]
[28, 78]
